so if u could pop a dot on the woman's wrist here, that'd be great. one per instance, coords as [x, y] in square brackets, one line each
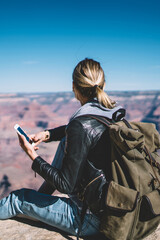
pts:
[47, 135]
[32, 155]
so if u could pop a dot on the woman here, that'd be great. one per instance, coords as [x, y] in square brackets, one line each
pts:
[84, 138]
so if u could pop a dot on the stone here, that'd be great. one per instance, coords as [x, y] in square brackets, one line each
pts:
[18, 229]
[26, 229]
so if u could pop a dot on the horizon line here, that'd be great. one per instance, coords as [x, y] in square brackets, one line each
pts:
[66, 91]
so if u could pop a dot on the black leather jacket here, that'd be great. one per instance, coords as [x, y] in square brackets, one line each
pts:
[86, 138]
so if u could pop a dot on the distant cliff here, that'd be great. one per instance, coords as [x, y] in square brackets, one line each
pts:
[35, 112]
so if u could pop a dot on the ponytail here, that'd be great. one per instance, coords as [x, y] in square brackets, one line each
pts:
[88, 78]
[104, 99]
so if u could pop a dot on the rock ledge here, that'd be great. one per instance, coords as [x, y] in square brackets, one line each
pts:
[17, 229]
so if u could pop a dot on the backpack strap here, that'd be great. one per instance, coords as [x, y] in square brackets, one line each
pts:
[82, 216]
[106, 122]
[103, 120]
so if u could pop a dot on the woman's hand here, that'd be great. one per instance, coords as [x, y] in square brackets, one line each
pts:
[27, 147]
[39, 137]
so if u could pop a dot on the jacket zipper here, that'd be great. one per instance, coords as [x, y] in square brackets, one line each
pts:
[81, 196]
[93, 181]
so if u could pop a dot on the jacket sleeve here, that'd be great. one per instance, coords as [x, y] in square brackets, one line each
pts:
[76, 150]
[56, 134]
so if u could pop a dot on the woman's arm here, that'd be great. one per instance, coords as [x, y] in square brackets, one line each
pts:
[77, 148]
[56, 134]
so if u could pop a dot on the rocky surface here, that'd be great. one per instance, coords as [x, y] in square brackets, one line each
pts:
[29, 230]
[155, 235]
[18, 229]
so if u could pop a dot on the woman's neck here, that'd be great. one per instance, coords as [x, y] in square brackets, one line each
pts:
[83, 101]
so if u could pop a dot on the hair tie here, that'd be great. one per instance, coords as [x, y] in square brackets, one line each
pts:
[95, 86]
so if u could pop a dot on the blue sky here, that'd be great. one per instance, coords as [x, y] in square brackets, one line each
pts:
[41, 41]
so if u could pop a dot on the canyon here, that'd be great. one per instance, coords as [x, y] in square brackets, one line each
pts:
[35, 112]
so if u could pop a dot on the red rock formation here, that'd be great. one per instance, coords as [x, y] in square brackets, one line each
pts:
[37, 111]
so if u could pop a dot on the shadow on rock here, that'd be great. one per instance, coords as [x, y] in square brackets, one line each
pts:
[39, 224]
[4, 185]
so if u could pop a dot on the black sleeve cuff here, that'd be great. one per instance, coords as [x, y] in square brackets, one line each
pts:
[37, 163]
[56, 134]
[50, 175]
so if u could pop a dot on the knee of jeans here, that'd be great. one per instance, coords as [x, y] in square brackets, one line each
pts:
[21, 197]
[14, 202]
[20, 194]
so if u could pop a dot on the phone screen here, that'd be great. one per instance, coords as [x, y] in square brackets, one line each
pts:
[19, 129]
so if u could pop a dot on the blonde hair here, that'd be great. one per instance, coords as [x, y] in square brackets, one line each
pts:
[89, 80]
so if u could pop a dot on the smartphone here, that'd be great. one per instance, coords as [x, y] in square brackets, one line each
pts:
[20, 131]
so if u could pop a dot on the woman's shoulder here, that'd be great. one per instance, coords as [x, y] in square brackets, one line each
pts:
[87, 123]
[81, 120]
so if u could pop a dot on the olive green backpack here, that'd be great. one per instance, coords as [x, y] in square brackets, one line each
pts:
[132, 203]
